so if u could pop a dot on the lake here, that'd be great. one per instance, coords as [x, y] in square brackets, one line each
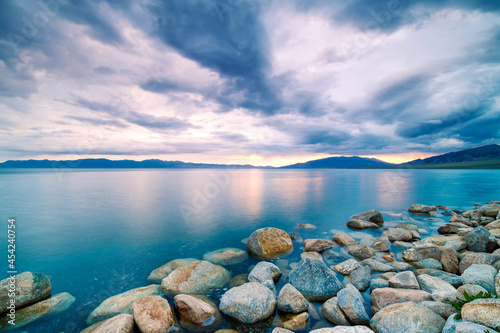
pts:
[101, 232]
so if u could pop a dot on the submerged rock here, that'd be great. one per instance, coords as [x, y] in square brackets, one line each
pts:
[317, 245]
[360, 224]
[331, 257]
[297, 322]
[162, 272]
[43, 309]
[314, 280]
[343, 239]
[346, 267]
[421, 209]
[153, 314]
[121, 303]
[372, 215]
[226, 256]
[30, 288]
[248, 303]
[359, 250]
[407, 317]
[269, 243]
[291, 300]
[123, 323]
[197, 278]
[197, 313]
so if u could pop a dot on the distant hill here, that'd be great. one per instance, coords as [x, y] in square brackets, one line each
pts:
[341, 162]
[102, 163]
[483, 153]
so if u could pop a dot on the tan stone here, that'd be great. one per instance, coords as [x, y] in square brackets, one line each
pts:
[153, 314]
[196, 311]
[343, 239]
[269, 243]
[382, 297]
[162, 272]
[297, 323]
[483, 312]
[317, 244]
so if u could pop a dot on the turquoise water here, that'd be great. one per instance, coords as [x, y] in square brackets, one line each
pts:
[101, 232]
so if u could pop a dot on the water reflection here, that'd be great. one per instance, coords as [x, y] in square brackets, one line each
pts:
[392, 187]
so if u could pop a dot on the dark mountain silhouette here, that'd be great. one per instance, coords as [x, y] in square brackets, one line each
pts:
[483, 153]
[341, 162]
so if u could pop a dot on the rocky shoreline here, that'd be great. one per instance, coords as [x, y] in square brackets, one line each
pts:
[386, 278]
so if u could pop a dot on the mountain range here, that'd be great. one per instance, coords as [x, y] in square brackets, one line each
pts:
[485, 157]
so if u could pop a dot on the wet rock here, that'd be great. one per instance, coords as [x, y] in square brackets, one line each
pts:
[196, 313]
[403, 245]
[346, 267]
[448, 229]
[421, 209]
[493, 225]
[238, 280]
[153, 314]
[404, 280]
[331, 257]
[269, 243]
[380, 298]
[480, 240]
[343, 239]
[121, 303]
[444, 310]
[306, 226]
[359, 250]
[468, 327]
[439, 289]
[311, 255]
[30, 288]
[343, 329]
[123, 323]
[351, 303]
[456, 244]
[407, 317]
[317, 245]
[361, 278]
[197, 278]
[481, 275]
[314, 280]
[388, 257]
[470, 289]
[333, 313]
[226, 256]
[387, 276]
[248, 303]
[372, 215]
[296, 237]
[395, 234]
[377, 266]
[162, 272]
[427, 263]
[452, 279]
[410, 227]
[491, 210]
[378, 283]
[476, 258]
[291, 300]
[43, 309]
[381, 243]
[445, 255]
[266, 274]
[483, 312]
[297, 323]
[460, 219]
[360, 225]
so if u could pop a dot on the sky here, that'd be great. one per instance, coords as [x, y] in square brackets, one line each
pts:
[263, 82]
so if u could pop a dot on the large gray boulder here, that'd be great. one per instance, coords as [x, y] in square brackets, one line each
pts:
[371, 215]
[198, 277]
[269, 243]
[30, 288]
[249, 303]
[153, 314]
[445, 310]
[481, 240]
[451, 324]
[481, 275]
[407, 317]
[491, 210]
[291, 300]
[314, 280]
[351, 303]
[121, 303]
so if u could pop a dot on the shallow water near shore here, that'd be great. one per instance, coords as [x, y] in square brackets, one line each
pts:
[101, 232]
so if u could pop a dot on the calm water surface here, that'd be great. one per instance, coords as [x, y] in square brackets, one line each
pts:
[101, 232]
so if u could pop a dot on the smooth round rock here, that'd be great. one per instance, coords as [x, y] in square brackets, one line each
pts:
[483, 312]
[197, 313]
[153, 314]
[343, 239]
[269, 243]
[30, 288]
[482, 275]
[226, 256]
[162, 272]
[359, 250]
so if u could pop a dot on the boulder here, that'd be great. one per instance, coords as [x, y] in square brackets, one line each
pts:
[291, 300]
[198, 277]
[346, 267]
[491, 210]
[421, 209]
[439, 289]
[360, 278]
[317, 245]
[483, 312]
[452, 279]
[153, 314]
[343, 239]
[445, 310]
[360, 224]
[162, 272]
[269, 243]
[481, 275]
[427, 263]
[380, 298]
[123, 323]
[497, 284]
[398, 234]
[121, 303]
[331, 257]
[314, 280]
[481, 240]
[468, 327]
[404, 280]
[238, 280]
[297, 322]
[493, 225]
[456, 244]
[410, 227]
[43, 309]
[448, 229]
[460, 219]
[359, 250]
[470, 289]
[249, 303]
[445, 255]
[30, 288]
[311, 255]
[451, 324]
[476, 258]
[407, 317]
[226, 256]
[333, 313]
[197, 313]
[377, 266]
[381, 243]
[372, 215]
[378, 283]
[351, 303]
[266, 274]
[403, 245]
[295, 236]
